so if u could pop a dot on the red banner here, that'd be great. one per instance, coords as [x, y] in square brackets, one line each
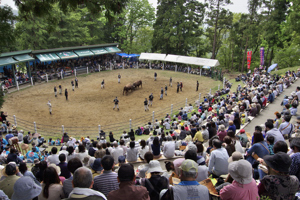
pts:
[249, 56]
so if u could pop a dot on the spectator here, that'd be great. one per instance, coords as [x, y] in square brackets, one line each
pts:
[81, 152]
[13, 156]
[231, 127]
[3, 142]
[230, 148]
[52, 189]
[169, 149]
[188, 174]
[93, 149]
[116, 152]
[286, 128]
[107, 181]
[221, 132]
[278, 120]
[270, 130]
[8, 136]
[83, 181]
[128, 190]
[53, 158]
[156, 148]
[73, 164]
[35, 169]
[270, 142]
[198, 136]
[295, 165]
[63, 166]
[71, 153]
[156, 183]
[96, 166]
[25, 188]
[7, 185]
[244, 186]
[23, 169]
[144, 168]
[40, 175]
[218, 162]
[143, 150]
[132, 152]
[278, 184]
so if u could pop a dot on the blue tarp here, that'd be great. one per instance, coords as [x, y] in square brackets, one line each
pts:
[206, 67]
[272, 67]
[128, 56]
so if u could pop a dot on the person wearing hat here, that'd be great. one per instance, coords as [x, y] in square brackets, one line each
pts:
[188, 174]
[26, 189]
[278, 184]
[157, 182]
[244, 186]
[7, 185]
[295, 166]
[127, 188]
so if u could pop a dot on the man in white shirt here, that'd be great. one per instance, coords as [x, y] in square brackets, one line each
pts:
[64, 151]
[167, 125]
[116, 152]
[169, 149]
[53, 158]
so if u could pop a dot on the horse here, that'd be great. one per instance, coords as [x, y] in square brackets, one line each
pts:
[128, 87]
[138, 84]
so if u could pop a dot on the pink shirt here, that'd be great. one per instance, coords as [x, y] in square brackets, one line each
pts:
[237, 191]
[177, 163]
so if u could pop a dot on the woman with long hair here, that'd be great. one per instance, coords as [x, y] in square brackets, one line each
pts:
[156, 148]
[82, 153]
[144, 149]
[24, 170]
[71, 153]
[52, 189]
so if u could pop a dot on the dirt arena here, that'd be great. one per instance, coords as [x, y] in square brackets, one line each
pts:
[89, 105]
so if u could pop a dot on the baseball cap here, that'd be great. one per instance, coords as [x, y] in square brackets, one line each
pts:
[189, 166]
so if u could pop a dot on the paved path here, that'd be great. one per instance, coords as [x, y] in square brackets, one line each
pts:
[268, 112]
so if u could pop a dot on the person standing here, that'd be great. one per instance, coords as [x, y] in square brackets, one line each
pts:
[72, 83]
[60, 89]
[76, 82]
[119, 78]
[102, 84]
[116, 101]
[170, 83]
[166, 88]
[178, 86]
[155, 76]
[181, 86]
[151, 99]
[50, 107]
[161, 93]
[66, 93]
[146, 104]
[197, 86]
[55, 91]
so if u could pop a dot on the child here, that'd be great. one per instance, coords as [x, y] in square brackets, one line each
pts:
[270, 142]
[243, 120]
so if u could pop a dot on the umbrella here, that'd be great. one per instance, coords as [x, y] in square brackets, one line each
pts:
[206, 67]
[272, 67]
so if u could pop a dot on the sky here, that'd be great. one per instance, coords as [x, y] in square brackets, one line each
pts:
[10, 3]
[238, 6]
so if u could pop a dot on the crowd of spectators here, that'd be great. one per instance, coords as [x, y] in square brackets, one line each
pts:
[202, 142]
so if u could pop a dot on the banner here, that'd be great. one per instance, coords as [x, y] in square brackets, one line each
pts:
[249, 55]
[262, 56]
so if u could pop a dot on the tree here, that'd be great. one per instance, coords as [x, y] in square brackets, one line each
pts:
[288, 56]
[38, 8]
[7, 21]
[216, 12]
[178, 24]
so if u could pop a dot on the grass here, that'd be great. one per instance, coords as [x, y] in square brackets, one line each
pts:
[282, 71]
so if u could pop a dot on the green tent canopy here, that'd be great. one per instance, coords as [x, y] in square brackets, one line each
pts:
[84, 52]
[67, 55]
[112, 49]
[99, 51]
[23, 58]
[7, 61]
[46, 57]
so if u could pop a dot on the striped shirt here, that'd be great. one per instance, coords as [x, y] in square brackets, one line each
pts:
[67, 186]
[106, 182]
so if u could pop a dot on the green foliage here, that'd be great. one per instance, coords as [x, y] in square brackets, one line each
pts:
[7, 21]
[288, 56]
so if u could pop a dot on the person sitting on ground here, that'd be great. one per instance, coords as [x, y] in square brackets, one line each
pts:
[244, 186]
[169, 148]
[188, 174]
[218, 162]
[7, 185]
[83, 182]
[143, 150]
[230, 148]
[221, 132]
[142, 169]
[107, 181]
[24, 170]
[278, 184]
[53, 158]
[270, 130]
[63, 166]
[73, 164]
[132, 152]
[231, 127]
[82, 153]
[93, 149]
[156, 148]
[128, 190]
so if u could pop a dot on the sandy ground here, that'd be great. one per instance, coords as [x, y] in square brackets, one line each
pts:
[89, 105]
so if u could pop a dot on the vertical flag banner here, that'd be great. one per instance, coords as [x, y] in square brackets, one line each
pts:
[262, 56]
[249, 55]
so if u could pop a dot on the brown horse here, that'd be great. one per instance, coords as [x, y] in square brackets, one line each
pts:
[138, 84]
[128, 87]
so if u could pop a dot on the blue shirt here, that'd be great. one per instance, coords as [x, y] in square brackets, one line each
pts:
[260, 148]
[188, 183]
[295, 166]
[232, 127]
[218, 162]
[8, 136]
[32, 155]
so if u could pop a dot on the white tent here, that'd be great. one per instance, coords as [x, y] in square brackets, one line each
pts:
[152, 56]
[171, 58]
[198, 61]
